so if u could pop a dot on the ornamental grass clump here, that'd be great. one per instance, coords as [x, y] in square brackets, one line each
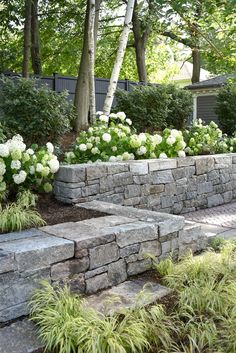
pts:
[112, 139]
[20, 214]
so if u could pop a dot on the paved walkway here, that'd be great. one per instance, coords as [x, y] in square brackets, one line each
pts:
[220, 220]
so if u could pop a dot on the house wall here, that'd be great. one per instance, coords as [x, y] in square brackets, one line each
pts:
[206, 106]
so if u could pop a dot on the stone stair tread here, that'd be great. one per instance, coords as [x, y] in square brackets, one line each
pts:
[20, 337]
[127, 295]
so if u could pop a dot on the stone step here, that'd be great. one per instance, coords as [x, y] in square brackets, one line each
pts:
[127, 295]
[21, 336]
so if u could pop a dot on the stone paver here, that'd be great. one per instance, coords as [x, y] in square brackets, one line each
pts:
[127, 295]
[219, 220]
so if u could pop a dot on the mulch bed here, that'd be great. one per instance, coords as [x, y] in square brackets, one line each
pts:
[53, 211]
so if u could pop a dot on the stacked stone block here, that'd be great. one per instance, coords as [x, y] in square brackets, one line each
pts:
[89, 255]
[177, 185]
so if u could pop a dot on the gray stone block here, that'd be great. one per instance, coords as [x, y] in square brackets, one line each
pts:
[185, 162]
[95, 171]
[129, 250]
[115, 168]
[215, 200]
[163, 177]
[7, 261]
[74, 173]
[97, 283]
[171, 225]
[134, 201]
[134, 268]
[38, 252]
[150, 247]
[69, 268]
[20, 337]
[90, 190]
[162, 164]
[139, 168]
[103, 254]
[204, 188]
[133, 233]
[132, 191]
[204, 164]
[97, 271]
[117, 272]
[74, 193]
[227, 196]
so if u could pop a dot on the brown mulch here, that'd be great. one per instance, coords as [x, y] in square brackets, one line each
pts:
[53, 211]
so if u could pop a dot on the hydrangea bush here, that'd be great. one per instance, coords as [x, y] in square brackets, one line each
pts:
[206, 139]
[31, 168]
[112, 139]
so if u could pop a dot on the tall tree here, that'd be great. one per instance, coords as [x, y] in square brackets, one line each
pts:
[119, 57]
[92, 97]
[35, 39]
[142, 28]
[81, 100]
[27, 36]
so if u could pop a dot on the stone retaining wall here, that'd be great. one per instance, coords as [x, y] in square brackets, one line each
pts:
[89, 255]
[177, 185]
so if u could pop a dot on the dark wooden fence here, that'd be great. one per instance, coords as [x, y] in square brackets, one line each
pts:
[59, 83]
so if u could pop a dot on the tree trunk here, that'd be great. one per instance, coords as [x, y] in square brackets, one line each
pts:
[92, 98]
[27, 31]
[119, 58]
[35, 39]
[196, 65]
[140, 43]
[81, 101]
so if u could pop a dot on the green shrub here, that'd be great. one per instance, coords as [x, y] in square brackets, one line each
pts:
[153, 108]
[226, 108]
[206, 139]
[2, 134]
[35, 112]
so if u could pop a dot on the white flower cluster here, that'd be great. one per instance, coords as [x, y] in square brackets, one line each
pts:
[112, 139]
[17, 163]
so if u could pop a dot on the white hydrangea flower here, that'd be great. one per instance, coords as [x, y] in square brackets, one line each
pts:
[106, 137]
[113, 116]
[50, 147]
[129, 121]
[175, 133]
[32, 170]
[53, 165]
[20, 178]
[15, 164]
[142, 137]
[119, 158]
[99, 113]
[104, 118]
[126, 156]
[30, 151]
[142, 150]
[90, 130]
[163, 155]
[135, 141]
[112, 159]
[231, 149]
[181, 154]
[170, 140]
[89, 145]
[82, 147]
[131, 156]
[95, 150]
[97, 139]
[114, 148]
[39, 167]
[16, 143]
[4, 150]
[121, 116]
[157, 139]
[2, 168]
